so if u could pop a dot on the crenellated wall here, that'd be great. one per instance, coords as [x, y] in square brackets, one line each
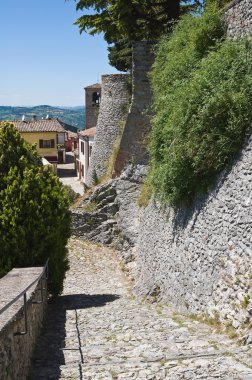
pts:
[112, 114]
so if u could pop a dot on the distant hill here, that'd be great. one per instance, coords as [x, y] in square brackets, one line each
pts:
[71, 115]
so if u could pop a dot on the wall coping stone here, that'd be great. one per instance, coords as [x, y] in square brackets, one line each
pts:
[11, 285]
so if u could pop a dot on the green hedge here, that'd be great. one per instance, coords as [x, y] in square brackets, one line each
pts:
[202, 88]
[34, 216]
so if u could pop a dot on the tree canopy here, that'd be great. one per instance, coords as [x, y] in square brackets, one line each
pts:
[123, 21]
[34, 216]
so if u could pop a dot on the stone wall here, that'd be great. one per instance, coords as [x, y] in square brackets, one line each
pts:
[200, 260]
[238, 15]
[16, 350]
[133, 144]
[113, 109]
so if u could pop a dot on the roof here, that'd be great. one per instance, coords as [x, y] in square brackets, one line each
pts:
[96, 85]
[90, 132]
[46, 125]
[72, 135]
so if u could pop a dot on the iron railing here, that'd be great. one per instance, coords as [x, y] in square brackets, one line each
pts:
[42, 280]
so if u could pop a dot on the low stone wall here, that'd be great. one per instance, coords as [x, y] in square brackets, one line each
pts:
[112, 114]
[238, 16]
[16, 350]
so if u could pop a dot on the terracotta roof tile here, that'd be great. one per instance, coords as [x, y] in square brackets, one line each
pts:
[90, 132]
[72, 134]
[47, 125]
[96, 85]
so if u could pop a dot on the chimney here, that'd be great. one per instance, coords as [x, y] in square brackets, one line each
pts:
[34, 118]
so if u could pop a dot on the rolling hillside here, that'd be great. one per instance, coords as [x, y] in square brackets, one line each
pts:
[71, 115]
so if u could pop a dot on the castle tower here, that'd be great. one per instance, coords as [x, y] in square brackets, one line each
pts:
[93, 98]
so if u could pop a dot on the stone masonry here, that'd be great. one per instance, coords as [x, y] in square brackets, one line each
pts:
[97, 330]
[238, 15]
[133, 144]
[113, 109]
[16, 350]
[200, 259]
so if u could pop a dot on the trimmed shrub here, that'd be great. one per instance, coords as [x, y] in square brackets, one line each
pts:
[34, 216]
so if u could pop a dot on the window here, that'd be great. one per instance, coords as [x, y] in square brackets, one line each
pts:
[96, 99]
[46, 144]
[82, 147]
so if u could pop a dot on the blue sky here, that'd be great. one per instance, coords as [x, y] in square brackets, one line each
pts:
[44, 59]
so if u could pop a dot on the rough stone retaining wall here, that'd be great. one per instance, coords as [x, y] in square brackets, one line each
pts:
[113, 109]
[238, 15]
[16, 350]
[200, 260]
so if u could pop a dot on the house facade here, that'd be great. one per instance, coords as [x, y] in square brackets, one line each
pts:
[48, 135]
[86, 141]
[86, 137]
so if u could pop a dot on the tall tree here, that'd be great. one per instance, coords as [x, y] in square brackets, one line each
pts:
[123, 21]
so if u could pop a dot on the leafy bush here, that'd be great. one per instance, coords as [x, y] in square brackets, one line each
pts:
[202, 107]
[34, 216]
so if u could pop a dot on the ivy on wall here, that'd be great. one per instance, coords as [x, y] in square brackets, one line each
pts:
[202, 87]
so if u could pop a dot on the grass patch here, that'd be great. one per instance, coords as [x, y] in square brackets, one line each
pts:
[90, 207]
[114, 152]
[145, 195]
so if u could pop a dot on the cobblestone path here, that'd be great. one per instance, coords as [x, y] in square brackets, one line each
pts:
[97, 330]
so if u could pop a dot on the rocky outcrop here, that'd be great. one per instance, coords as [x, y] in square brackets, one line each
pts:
[110, 214]
[95, 218]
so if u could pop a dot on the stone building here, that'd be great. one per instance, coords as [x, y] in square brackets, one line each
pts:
[93, 98]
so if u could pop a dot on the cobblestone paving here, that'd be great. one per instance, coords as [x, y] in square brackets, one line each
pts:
[97, 330]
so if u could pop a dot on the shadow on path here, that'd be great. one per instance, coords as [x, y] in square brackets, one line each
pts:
[49, 351]
[63, 172]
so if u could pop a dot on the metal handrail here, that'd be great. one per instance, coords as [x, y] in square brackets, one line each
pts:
[23, 293]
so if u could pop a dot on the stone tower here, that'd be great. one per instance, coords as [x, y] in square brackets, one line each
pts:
[93, 97]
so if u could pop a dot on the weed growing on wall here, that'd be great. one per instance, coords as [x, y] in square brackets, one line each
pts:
[202, 88]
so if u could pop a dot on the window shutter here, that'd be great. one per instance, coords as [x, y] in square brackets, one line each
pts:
[52, 143]
[41, 143]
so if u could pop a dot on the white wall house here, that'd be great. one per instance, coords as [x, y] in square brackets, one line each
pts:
[86, 140]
